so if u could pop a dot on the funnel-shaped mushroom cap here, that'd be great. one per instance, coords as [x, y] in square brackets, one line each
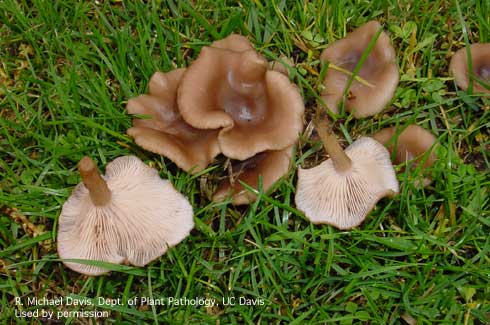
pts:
[271, 165]
[166, 133]
[128, 215]
[343, 199]
[480, 57]
[379, 72]
[234, 91]
[412, 143]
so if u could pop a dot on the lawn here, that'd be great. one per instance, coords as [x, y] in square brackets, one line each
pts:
[67, 70]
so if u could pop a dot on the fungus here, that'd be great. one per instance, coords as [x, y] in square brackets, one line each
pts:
[413, 143]
[233, 42]
[129, 215]
[376, 81]
[480, 61]
[281, 65]
[233, 91]
[166, 133]
[271, 165]
[342, 190]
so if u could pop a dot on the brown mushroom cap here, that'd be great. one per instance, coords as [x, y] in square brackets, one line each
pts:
[234, 42]
[341, 191]
[271, 165]
[282, 65]
[166, 133]
[234, 91]
[480, 56]
[412, 143]
[379, 71]
[130, 214]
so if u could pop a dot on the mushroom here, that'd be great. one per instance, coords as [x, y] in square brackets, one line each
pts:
[376, 81]
[271, 165]
[129, 215]
[281, 65]
[341, 191]
[233, 42]
[413, 143]
[480, 61]
[166, 133]
[233, 91]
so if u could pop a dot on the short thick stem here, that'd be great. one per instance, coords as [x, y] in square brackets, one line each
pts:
[96, 185]
[340, 160]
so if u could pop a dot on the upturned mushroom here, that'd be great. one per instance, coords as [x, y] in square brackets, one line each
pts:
[480, 62]
[375, 84]
[342, 190]
[166, 133]
[230, 88]
[129, 215]
[270, 165]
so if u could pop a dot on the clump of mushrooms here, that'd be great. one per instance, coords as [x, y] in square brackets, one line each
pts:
[342, 190]
[412, 143]
[227, 101]
[480, 62]
[166, 133]
[129, 215]
[375, 83]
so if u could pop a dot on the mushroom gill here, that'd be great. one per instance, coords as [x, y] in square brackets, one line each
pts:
[375, 84]
[165, 132]
[342, 190]
[128, 215]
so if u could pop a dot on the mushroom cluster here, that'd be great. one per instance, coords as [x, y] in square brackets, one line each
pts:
[363, 75]
[227, 101]
[231, 101]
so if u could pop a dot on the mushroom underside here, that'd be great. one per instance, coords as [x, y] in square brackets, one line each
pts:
[145, 216]
[344, 199]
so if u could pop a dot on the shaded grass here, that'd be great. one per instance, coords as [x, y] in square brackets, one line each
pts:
[67, 70]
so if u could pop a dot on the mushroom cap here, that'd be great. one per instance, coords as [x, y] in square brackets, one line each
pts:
[412, 143]
[480, 56]
[281, 65]
[379, 70]
[234, 42]
[344, 199]
[166, 133]
[233, 90]
[271, 165]
[144, 217]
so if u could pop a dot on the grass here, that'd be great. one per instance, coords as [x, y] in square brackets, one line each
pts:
[66, 72]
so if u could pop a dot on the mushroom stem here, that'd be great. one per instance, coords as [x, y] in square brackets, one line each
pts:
[340, 160]
[96, 185]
